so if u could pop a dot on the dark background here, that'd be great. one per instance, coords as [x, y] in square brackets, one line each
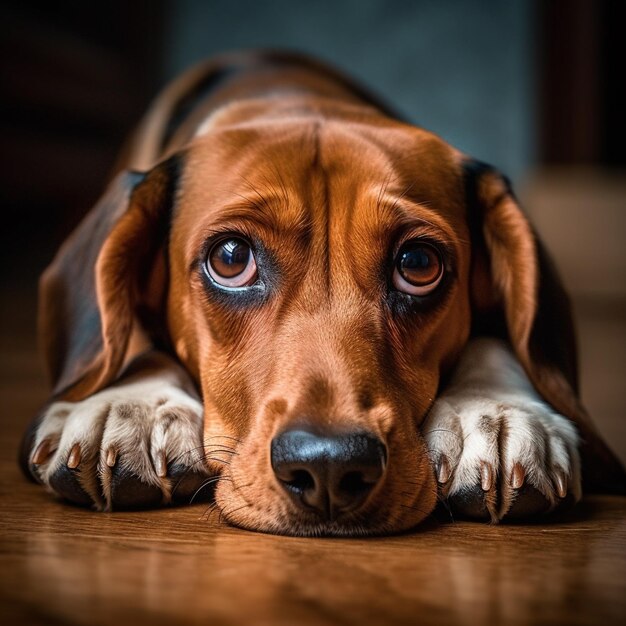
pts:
[525, 85]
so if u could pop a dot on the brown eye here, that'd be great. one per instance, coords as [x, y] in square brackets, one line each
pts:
[230, 263]
[418, 268]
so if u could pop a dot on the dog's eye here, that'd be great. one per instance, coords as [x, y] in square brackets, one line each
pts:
[231, 263]
[418, 268]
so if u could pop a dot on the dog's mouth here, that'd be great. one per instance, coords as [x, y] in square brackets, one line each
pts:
[312, 484]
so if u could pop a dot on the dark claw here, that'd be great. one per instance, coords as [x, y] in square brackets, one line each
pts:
[470, 503]
[128, 491]
[66, 483]
[186, 482]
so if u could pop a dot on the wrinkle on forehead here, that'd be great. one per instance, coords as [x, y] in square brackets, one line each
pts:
[338, 188]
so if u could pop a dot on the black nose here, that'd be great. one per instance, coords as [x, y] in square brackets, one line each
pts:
[328, 474]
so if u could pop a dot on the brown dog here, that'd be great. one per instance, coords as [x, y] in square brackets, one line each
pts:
[333, 313]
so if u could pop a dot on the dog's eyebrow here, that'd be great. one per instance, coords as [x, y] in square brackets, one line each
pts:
[402, 214]
[265, 215]
[271, 213]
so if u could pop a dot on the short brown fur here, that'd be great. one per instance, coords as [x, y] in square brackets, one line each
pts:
[296, 157]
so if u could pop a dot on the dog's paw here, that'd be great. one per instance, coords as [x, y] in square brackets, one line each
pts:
[134, 445]
[503, 458]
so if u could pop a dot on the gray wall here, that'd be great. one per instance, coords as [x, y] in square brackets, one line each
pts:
[461, 68]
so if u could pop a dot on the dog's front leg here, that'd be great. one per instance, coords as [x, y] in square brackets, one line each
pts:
[134, 444]
[498, 449]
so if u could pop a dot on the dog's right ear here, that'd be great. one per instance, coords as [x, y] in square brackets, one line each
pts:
[514, 281]
[89, 295]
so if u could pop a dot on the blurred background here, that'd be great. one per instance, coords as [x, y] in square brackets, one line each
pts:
[534, 87]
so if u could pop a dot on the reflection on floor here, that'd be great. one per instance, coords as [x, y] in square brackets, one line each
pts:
[60, 564]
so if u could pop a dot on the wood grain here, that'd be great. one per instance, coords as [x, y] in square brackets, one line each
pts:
[64, 565]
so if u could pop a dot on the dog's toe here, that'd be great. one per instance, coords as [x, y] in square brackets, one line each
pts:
[528, 502]
[65, 449]
[129, 491]
[515, 460]
[66, 482]
[142, 443]
[129, 447]
[470, 503]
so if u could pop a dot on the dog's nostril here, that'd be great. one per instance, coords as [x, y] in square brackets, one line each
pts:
[354, 483]
[300, 481]
[328, 474]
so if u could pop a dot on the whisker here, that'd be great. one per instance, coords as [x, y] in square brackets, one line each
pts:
[216, 509]
[383, 189]
[192, 467]
[226, 514]
[249, 201]
[206, 516]
[263, 200]
[209, 457]
[192, 452]
[206, 483]
[213, 457]
[401, 196]
[182, 477]
[225, 437]
[446, 506]
[281, 182]
[442, 430]
[206, 455]
[219, 450]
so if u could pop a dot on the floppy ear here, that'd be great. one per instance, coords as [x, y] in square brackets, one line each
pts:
[515, 282]
[89, 296]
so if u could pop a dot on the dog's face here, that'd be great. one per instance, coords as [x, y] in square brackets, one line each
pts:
[318, 280]
[319, 284]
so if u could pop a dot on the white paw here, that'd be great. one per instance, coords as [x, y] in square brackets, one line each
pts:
[503, 456]
[132, 445]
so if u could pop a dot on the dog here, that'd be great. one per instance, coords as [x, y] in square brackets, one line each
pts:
[330, 317]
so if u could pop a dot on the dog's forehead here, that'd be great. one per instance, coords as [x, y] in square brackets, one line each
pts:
[302, 171]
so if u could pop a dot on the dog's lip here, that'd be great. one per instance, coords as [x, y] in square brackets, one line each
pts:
[314, 527]
[370, 519]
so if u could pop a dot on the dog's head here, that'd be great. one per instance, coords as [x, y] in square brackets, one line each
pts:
[318, 278]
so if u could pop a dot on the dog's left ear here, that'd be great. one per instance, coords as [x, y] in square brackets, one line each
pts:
[513, 278]
[104, 283]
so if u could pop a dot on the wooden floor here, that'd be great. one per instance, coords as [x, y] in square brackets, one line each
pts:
[64, 565]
